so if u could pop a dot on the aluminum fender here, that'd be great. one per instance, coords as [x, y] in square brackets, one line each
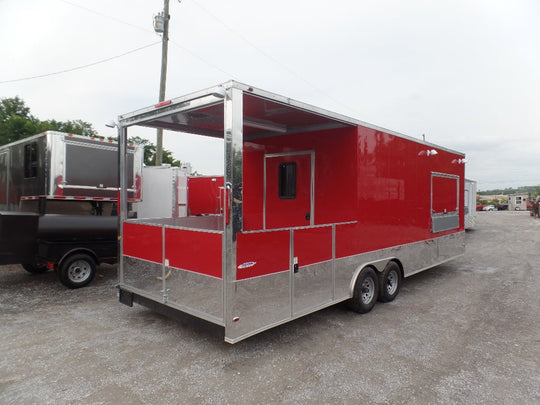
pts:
[378, 265]
[76, 250]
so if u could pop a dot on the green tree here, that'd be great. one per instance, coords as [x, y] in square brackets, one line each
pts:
[71, 127]
[150, 152]
[17, 123]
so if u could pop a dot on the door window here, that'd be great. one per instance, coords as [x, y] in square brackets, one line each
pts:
[287, 180]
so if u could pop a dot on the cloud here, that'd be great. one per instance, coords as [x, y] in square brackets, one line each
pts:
[464, 74]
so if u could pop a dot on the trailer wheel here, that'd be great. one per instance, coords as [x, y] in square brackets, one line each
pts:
[390, 282]
[77, 270]
[34, 268]
[365, 292]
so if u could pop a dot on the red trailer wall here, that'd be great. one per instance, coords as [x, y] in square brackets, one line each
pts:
[394, 193]
[191, 250]
[204, 196]
[335, 163]
[379, 180]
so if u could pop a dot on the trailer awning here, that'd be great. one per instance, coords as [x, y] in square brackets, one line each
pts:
[264, 114]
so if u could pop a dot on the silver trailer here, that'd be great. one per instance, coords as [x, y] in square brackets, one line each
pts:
[39, 173]
[58, 203]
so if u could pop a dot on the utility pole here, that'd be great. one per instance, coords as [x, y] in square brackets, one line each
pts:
[163, 79]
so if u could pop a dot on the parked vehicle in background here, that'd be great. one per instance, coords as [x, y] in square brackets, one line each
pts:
[517, 202]
[488, 208]
[58, 203]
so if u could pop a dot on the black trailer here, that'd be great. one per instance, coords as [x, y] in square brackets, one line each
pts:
[59, 197]
[74, 245]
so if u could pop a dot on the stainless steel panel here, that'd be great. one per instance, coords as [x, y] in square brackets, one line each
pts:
[122, 172]
[414, 258]
[346, 270]
[441, 223]
[209, 223]
[312, 287]
[144, 275]
[195, 291]
[233, 123]
[4, 183]
[450, 246]
[257, 304]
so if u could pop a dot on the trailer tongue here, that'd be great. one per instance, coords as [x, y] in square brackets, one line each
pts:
[317, 208]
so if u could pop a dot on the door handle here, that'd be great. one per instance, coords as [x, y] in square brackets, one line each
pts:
[308, 216]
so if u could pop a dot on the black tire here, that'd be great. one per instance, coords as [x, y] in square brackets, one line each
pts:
[77, 270]
[366, 290]
[34, 268]
[390, 281]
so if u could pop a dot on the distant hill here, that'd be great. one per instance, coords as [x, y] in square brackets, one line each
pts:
[532, 190]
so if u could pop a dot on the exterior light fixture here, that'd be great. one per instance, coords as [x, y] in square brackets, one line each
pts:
[220, 92]
[429, 152]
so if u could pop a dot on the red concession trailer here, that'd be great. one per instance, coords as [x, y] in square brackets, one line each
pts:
[318, 209]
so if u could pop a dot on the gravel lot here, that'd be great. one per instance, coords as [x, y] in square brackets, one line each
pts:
[464, 332]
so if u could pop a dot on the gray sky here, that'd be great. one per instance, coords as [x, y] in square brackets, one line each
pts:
[466, 73]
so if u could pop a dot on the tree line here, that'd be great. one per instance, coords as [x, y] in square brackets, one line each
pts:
[530, 190]
[16, 123]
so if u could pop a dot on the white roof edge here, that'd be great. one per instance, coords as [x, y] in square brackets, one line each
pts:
[285, 100]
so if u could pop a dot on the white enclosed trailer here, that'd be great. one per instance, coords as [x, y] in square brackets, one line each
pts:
[517, 202]
[164, 192]
[470, 203]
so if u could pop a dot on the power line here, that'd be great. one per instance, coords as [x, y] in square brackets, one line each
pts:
[183, 48]
[107, 16]
[80, 67]
[271, 58]
[233, 31]
[193, 54]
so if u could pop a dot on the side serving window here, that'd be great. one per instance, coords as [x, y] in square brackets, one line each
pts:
[287, 180]
[444, 202]
[30, 160]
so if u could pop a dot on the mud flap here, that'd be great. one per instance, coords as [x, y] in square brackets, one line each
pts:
[126, 297]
